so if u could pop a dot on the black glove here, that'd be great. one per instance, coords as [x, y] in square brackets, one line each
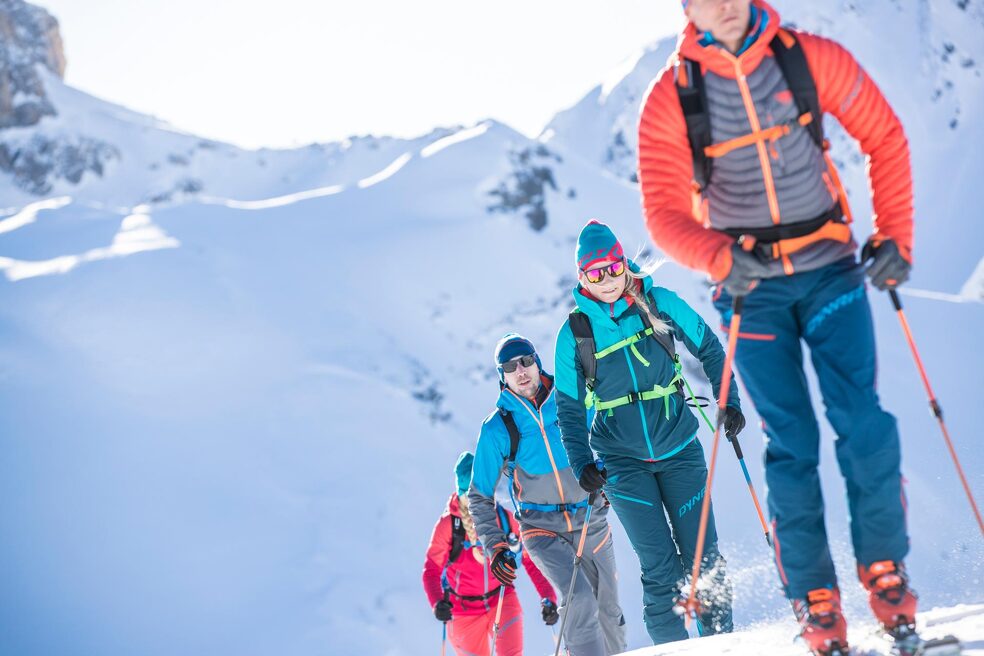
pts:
[746, 270]
[592, 478]
[442, 610]
[550, 614]
[888, 268]
[733, 421]
[504, 566]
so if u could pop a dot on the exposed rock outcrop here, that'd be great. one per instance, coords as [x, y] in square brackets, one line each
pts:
[29, 37]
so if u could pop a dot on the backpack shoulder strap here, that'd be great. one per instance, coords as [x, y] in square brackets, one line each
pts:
[457, 538]
[506, 527]
[513, 431]
[584, 338]
[792, 62]
[503, 519]
[693, 101]
[665, 339]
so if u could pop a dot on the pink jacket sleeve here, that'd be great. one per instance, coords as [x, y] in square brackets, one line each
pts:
[437, 559]
[540, 582]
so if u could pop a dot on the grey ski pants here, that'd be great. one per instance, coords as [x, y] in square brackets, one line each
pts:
[595, 625]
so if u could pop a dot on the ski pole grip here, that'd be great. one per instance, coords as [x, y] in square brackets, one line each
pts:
[737, 304]
[894, 295]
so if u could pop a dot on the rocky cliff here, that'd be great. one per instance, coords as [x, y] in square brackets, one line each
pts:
[29, 38]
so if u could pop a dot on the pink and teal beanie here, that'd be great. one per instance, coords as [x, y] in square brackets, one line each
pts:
[596, 243]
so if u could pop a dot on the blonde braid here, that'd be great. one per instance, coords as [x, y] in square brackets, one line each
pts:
[632, 287]
[466, 519]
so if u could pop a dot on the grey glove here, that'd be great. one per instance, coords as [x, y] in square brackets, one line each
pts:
[746, 270]
[888, 269]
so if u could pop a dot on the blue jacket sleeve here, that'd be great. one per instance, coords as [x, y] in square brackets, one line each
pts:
[571, 413]
[690, 329]
[490, 456]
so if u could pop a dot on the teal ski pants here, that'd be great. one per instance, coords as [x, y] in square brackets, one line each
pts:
[643, 493]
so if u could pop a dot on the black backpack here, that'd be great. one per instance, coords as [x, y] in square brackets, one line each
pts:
[459, 537]
[693, 100]
[458, 534]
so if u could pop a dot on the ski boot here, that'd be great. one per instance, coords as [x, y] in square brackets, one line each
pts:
[822, 625]
[894, 606]
[892, 601]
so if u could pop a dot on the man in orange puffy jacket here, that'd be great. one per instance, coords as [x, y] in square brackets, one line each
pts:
[736, 181]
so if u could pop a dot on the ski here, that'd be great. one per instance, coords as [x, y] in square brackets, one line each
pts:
[905, 641]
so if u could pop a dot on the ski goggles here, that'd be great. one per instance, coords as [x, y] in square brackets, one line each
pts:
[510, 366]
[613, 270]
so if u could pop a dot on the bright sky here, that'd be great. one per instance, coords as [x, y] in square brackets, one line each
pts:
[290, 72]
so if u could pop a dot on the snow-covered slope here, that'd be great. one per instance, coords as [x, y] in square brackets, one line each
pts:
[773, 639]
[229, 415]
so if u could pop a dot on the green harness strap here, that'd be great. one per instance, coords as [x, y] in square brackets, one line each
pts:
[590, 399]
[657, 392]
[628, 341]
[700, 409]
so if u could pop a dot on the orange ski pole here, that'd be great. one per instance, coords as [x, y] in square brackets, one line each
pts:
[935, 405]
[691, 606]
[498, 617]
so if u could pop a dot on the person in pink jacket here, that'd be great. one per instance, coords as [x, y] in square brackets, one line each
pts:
[462, 590]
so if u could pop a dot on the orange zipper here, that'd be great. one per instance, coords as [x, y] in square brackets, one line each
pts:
[538, 418]
[746, 96]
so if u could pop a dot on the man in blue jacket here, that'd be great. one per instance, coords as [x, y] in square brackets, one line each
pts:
[551, 506]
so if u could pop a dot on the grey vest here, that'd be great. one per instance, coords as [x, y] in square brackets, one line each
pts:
[737, 195]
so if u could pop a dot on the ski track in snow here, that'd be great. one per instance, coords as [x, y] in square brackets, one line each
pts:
[29, 213]
[279, 201]
[137, 234]
[456, 138]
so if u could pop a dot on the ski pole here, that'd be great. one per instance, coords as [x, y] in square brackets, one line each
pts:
[444, 639]
[934, 404]
[498, 616]
[556, 638]
[577, 564]
[690, 606]
[741, 461]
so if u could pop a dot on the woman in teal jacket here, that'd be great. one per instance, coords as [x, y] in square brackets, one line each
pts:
[624, 328]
